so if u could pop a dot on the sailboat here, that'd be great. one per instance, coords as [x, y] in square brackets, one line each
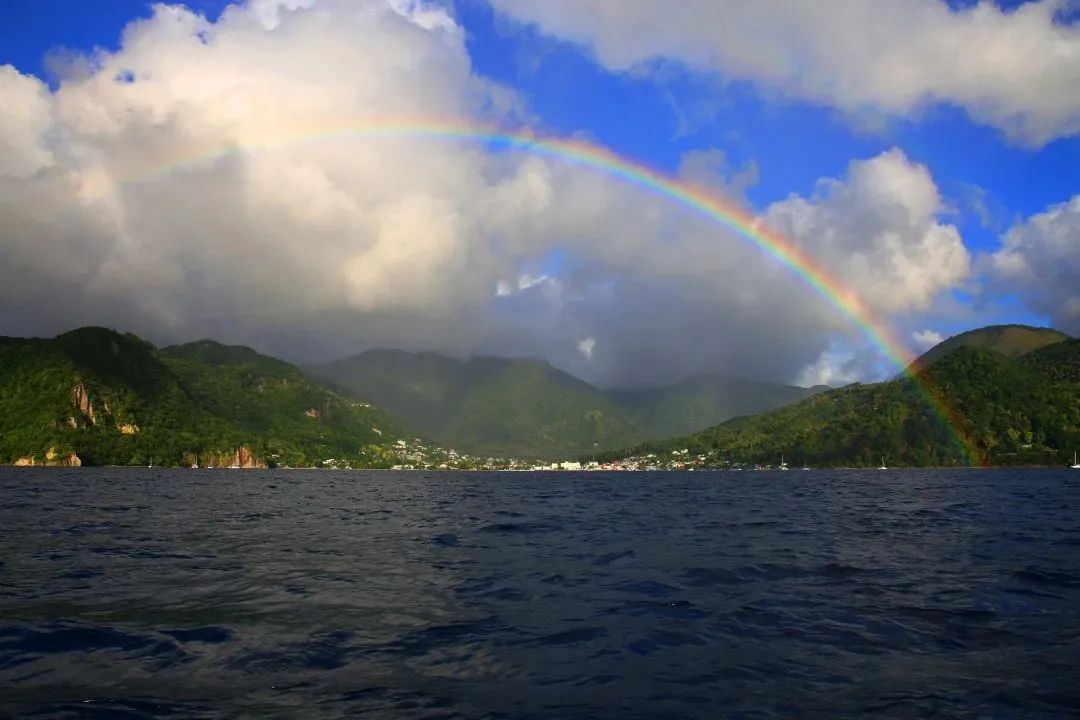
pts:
[1075, 465]
[783, 465]
[883, 464]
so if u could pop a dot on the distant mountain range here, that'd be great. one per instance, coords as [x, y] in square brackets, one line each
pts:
[100, 397]
[1013, 392]
[527, 408]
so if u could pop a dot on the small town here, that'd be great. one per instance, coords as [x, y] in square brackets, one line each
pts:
[417, 454]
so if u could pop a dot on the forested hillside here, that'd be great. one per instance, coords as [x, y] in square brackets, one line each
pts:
[527, 408]
[99, 397]
[1012, 411]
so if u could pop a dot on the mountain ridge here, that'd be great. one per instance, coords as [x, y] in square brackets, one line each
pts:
[98, 396]
[1012, 340]
[101, 397]
[450, 400]
[1022, 410]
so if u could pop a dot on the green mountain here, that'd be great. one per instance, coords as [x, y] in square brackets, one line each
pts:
[703, 400]
[298, 419]
[99, 397]
[487, 405]
[1060, 361]
[527, 408]
[1011, 410]
[103, 398]
[1010, 340]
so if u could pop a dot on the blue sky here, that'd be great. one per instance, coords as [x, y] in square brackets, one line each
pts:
[661, 110]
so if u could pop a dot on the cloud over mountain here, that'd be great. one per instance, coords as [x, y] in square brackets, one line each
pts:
[209, 179]
[1016, 69]
[1039, 262]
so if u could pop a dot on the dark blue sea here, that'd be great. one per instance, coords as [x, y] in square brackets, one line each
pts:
[296, 594]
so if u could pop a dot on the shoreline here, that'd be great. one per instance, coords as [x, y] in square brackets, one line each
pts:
[582, 471]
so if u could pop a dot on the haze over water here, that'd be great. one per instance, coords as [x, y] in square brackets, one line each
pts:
[168, 593]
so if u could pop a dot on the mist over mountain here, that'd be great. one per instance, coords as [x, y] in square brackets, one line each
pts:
[214, 176]
[318, 178]
[1012, 397]
[527, 407]
[97, 396]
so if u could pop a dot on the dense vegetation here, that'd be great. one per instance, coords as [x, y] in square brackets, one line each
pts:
[109, 398]
[1009, 340]
[1012, 411]
[488, 405]
[1060, 361]
[113, 399]
[527, 408]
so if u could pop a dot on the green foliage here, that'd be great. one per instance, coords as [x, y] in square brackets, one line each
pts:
[114, 399]
[1060, 361]
[527, 408]
[298, 422]
[1015, 412]
[488, 406]
[111, 398]
[1009, 340]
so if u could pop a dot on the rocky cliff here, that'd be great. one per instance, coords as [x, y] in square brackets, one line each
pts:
[53, 458]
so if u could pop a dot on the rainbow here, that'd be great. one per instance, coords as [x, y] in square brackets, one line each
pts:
[583, 153]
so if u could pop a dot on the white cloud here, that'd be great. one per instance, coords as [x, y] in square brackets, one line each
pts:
[426, 15]
[526, 281]
[985, 207]
[202, 181]
[27, 112]
[269, 12]
[504, 288]
[1017, 70]
[831, 368]
[300, 224]
[878, 231]
[585, 347]
[711, 169]
[1039, 262]
[926, 339]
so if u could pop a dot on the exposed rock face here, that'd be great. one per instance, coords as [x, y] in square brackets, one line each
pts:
[240, 457]
[52, 459]
[128, 428]
[81, 400]
[313, 413]
[243, 458]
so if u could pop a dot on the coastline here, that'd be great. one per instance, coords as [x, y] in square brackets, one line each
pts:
[579, 471]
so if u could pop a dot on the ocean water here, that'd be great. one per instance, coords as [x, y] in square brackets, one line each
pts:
[203, 593]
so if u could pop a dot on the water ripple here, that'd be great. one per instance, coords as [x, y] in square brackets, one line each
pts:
[178, 594]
